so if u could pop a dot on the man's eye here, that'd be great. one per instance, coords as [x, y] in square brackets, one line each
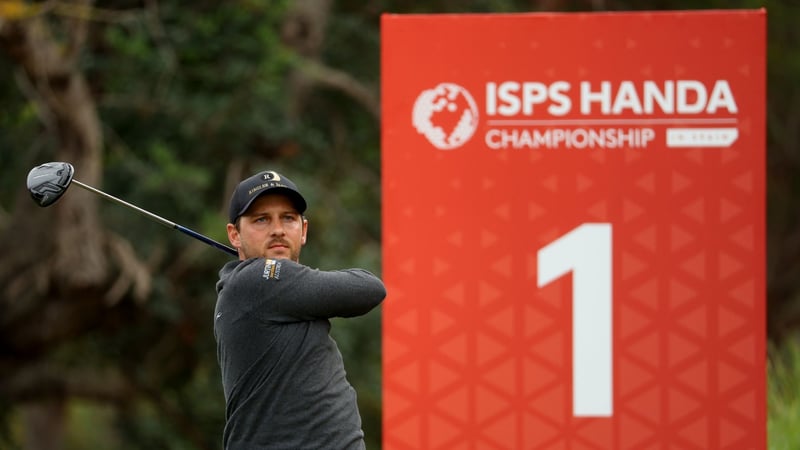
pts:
[261, 220]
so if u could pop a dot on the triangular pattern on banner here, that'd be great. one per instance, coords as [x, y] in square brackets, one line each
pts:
[488, 239]
[443, 433]
[728, 210]
[550, 403]
[646, 294]
[441, 321]
[632, 377]
[695, 377]
[550, 183]
[745, 293]
[390, 240]
[695, 155]
[632, 157]
[696, 432]
[440, 266]
[729, 321]
[730, 434]
[530, 268]
[408, 322]
[502, 321]
[406, 432]
[503, 266]
[535, 321]
[695, 210]
[694, 321]
[680, 293]
[488, 294]
[631, 265]
[455, 294]
[454, 349]
[455, 405]
[728, 265]
[539, 433]
[595, 434]
[679, 238]
[647, 183]
[647, 405]
[646, 350]
[395, 405]
[744, 182]
[536, 377]
[501, 377]
[681, 349]
[503, 211]
[635, 433]
[488, 348]
[583, 183]
[491, 403]
[679, 182]
[744, 349]
[394, 349]
[456, 239]
[745, 405]
[730, 377]
[408, 266]
[631, 210]
[744, 238]
[632, 322]
[535, 211]
[442, 378]
[598, 211]
[552, 294]
[502, 432]
[695, 265]
[682, 406]
[550, 349]
[647, 238]
[490, 352]
[408, 377]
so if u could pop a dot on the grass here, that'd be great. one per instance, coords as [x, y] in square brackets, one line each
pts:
[783, 396]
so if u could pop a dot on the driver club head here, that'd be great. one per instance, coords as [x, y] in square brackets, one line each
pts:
[48, 182]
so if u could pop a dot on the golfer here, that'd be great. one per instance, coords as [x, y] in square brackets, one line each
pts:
[282, 374]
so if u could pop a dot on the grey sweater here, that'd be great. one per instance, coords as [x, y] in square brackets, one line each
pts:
[284, 382]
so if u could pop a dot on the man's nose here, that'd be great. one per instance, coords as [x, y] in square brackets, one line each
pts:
[277, 228]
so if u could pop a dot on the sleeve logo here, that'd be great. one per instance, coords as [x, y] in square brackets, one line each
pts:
[272, 270]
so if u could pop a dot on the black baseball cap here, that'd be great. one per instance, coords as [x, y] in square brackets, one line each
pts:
[264, 182]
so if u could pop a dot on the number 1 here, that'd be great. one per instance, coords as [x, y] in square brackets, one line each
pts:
[586, 252]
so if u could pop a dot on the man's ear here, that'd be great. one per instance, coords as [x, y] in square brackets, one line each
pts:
[233, 236]
[305, 232]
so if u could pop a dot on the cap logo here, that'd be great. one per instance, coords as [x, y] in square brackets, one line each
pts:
[270, 175]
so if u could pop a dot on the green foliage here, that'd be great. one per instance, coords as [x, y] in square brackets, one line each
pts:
[783, 396]
[193, 95]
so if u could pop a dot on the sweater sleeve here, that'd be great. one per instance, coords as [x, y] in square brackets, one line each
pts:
[284, 290]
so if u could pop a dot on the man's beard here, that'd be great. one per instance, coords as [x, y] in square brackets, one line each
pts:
[264, 251]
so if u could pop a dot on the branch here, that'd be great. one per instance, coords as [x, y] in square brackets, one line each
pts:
[46, 380]
[338, 79]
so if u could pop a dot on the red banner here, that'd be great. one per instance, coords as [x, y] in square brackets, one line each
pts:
[574, 230]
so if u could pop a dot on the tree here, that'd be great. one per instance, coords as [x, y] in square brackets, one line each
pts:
[168, 106]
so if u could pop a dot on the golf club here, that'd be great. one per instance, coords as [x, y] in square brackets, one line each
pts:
[48, 182]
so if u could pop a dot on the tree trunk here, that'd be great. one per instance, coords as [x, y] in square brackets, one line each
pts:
[56, 264]
[44, 424]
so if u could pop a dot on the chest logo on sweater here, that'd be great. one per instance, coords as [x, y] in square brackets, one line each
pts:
[272, 270]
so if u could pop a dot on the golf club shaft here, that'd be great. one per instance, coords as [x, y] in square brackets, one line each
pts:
[160, 219]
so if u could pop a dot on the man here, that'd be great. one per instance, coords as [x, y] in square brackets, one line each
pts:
[282, 373]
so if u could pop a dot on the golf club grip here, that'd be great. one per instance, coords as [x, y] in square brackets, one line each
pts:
[207, 240]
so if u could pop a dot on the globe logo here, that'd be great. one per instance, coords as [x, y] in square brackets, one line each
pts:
[446, 115]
